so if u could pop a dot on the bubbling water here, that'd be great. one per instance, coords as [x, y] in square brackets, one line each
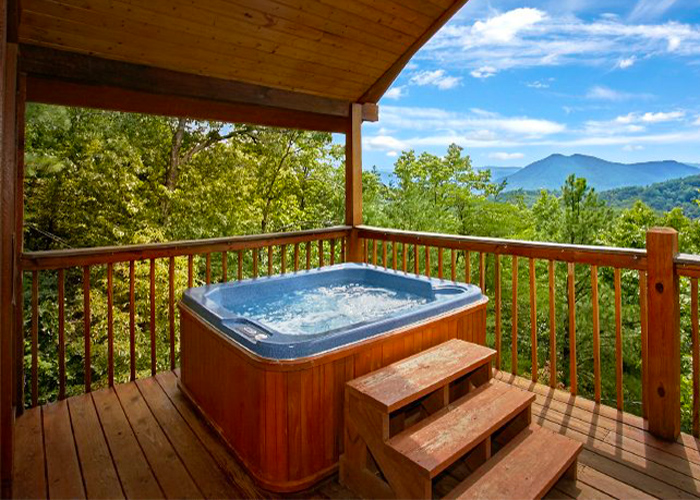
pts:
[318, 310]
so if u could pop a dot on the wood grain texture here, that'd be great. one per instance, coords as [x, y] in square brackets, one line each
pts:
[281, 418]
[663, 389]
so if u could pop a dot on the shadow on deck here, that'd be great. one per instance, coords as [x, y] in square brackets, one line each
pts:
[145, 440]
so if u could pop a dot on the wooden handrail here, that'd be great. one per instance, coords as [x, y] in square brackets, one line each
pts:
[57, 259]
[628, 258]
[687, 265]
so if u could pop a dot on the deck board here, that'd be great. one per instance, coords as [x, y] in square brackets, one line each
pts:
[159, 447]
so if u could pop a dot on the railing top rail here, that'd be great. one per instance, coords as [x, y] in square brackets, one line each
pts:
[688, 265]
[61, 259]
[627, 258]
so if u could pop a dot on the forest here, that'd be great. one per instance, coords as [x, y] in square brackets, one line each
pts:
[96, 178]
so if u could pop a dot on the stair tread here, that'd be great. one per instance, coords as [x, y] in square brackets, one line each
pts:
[407, 380]
[439, 440]
[527, 467]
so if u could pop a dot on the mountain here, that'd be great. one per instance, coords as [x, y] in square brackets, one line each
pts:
[499, 173]
[551, 172]
[662, 196]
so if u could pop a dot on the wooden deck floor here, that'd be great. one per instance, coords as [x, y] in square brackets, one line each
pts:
[144, 440]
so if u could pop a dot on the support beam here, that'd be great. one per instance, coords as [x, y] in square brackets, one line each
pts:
[9, 261]
[353, 181]
[664, 371]
[71, 79]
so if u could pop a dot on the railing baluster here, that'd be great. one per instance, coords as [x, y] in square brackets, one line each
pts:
[343, 257]
[270, 257]
[618, 340]
[239, 271]
[384, 261]
[643, 320]
[404, 257]
[571, 275]
[427, 261]
[416, 263]
[552, 327]
[35, 338]
[332, 257]
[171, 306]
[190, 271]
[453, 264]
[308, 255]
[224, 266]
[365, 250]
[283, 262]
[482, 271]
[533, 320]
[61, 335]
[255, 262]
[514, 325]
[110, 326]
[439, 251]
[86, 327]
[296, 257]
[152, 321]
[208, 268]
[374, 252]
[695, 354]
[394, 255]
[596, 333]
[132, 321]
[320, 254]
[497, 287]
[467, 267]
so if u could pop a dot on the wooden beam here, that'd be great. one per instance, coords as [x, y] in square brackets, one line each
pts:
[664, 344]
[353, 180]
[99, 79]
[378, 88]
[8, 258]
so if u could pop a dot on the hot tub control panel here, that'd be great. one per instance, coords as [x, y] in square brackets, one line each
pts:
[250, 332]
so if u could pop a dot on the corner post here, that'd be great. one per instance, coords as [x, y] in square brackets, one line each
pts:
[664, 348]
[353, 180]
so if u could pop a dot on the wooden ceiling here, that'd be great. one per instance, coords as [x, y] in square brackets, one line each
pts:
[349, 50]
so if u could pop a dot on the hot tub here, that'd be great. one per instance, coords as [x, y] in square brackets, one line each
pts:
[266, 360]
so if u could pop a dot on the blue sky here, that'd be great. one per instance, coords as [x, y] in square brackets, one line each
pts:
[514, 81]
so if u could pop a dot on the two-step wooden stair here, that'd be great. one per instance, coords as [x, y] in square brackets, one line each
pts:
[410, 421]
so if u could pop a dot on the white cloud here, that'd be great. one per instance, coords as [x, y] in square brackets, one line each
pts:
[633, 147]
[392, 154]
[645, 9]
[505, 27]
[396, 93]
[528, 37]
[697, 122]
[506, 156]
[627, 62]
[437, 78]
[649, 117]
[537, 85]
[484, 72]
[383, 143]
[602, 93]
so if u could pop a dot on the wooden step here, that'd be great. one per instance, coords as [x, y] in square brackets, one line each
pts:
[405, 381]
[438, 441]
[527, 467]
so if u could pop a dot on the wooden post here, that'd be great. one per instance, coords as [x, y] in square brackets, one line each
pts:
[664, 347]
[9, 259]
[353, 181]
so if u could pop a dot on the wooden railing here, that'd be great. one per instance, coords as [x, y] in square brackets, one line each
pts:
[626, 307]
[179, 265]
[534, 323]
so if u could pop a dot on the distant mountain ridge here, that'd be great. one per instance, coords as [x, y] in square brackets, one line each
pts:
[551, 172]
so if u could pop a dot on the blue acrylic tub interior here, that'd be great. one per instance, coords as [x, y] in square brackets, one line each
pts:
[301, 314]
